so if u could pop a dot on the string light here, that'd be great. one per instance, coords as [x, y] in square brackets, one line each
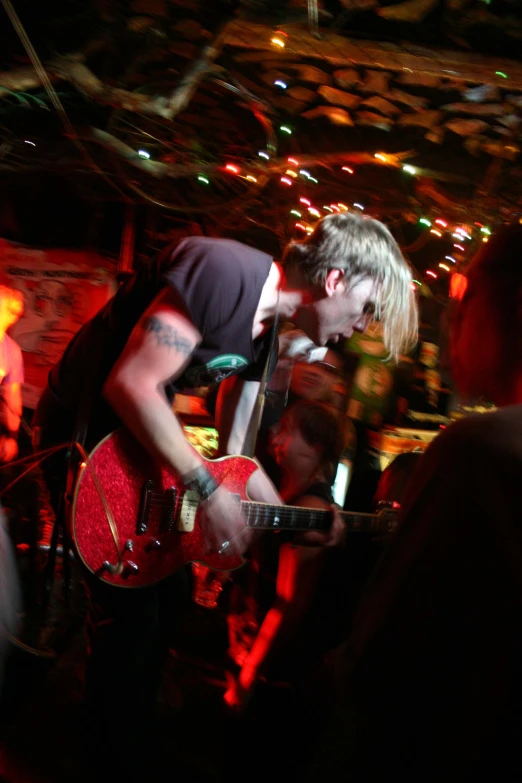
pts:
[417, 281]
[294, 161]
[279, 83]
[314, 211]
[409, 169]
[313, 179]
[264, 155]
[286, 180]
[450, 258]
[444, 266]
[251, 178]
[309, 230]
[436, 232]
[348, 169]
[381, 156]
[276, 40]
[286, 129]
[335, 207]
[26, 141]
[141, 153]
[295, 212]
[485, 239]
[485, 231]
[343, 207]
[501, 73]
[442, 223]
[202, 178]
[460, 247]
[425, 221]
[300, 225]
[359, 206]
[328, 209]
[305, 201]
[232, 168]
[291, 173]
[304, 173]
[431, 274]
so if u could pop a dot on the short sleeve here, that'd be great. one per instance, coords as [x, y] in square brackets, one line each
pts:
[208, 280]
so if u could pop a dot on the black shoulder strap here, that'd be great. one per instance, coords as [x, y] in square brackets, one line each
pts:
[249, 444]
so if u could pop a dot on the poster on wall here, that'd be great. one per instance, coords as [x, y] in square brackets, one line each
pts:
[62, 290]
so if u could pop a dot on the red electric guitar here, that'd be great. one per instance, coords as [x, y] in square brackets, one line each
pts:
[134, 523]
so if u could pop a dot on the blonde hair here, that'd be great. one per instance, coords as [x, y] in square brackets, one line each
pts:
[362, 247]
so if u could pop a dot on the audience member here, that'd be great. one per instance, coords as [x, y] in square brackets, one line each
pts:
[301, 624]
[431, 682]
[11, 374]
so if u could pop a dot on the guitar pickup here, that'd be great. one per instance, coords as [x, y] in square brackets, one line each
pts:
[187, 513]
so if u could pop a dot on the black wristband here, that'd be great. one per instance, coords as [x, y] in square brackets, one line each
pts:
[200, 481]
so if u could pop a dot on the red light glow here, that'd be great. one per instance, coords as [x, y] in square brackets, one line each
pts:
[231, 167]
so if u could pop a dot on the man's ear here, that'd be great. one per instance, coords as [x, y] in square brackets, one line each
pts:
[335, 282]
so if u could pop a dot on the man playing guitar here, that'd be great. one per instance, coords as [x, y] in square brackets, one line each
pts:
[205, 312]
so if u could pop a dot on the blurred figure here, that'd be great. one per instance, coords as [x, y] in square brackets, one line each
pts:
[11, 374]
[9, 592]
[432, 678]
[299, 627]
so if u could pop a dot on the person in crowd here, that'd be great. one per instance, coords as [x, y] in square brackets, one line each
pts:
[431, 682]
[11, 373]
[10, 602]
[307, 446]
[204, 313]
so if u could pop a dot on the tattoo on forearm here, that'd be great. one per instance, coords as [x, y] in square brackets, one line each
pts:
[166, 335]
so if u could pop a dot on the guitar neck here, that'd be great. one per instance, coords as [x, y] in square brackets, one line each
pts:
[263, 516]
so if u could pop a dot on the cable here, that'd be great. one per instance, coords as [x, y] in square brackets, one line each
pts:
[55, 100]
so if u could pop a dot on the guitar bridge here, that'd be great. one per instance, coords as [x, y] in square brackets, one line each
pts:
[144, 507]
[162, 506]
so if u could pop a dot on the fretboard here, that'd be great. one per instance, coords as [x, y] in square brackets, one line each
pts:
[264, 516]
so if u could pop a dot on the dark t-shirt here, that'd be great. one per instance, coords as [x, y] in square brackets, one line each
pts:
[220, 282]
[433, 676]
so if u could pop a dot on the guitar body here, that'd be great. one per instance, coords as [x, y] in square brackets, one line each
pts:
[146, 502]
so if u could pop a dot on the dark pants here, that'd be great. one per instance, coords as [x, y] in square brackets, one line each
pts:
[128, 630]
[128, 635]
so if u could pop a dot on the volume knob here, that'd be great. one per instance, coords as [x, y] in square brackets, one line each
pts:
[153, 544]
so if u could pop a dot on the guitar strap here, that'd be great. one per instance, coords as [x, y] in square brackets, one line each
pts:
[249, 444]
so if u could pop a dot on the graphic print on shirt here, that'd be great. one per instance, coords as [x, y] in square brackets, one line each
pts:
[216, 370]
